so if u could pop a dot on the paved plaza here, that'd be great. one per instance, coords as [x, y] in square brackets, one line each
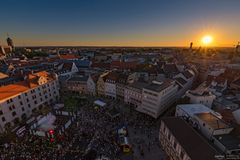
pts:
[93, 136]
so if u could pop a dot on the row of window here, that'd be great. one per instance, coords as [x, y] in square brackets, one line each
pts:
[169, 137]
[150, 93]
[32, 91]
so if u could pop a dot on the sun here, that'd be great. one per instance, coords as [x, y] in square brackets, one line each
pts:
[206, 40]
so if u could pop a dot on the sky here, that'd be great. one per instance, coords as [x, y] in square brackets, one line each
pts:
[119, 22]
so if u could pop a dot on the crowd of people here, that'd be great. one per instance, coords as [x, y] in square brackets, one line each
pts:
[90, 137]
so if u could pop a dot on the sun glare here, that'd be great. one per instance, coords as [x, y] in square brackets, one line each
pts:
[206, 40]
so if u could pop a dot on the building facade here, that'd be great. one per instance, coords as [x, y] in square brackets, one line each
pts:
[76, 84]
[201, 97]
[181, 142]
[92, 84]
[133, 94]
[157, 97]
[18, 101]
[111, 85]
[101, 84]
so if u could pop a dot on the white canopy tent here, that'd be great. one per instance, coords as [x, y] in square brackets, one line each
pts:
[100, 103]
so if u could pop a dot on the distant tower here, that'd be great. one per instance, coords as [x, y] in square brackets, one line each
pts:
[191, 45]
[10, 42]
[238, 47]
[190, 48]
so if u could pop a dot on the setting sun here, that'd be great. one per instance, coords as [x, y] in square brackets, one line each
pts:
[206, 40]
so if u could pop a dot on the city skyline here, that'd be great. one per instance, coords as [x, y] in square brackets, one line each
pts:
[122, 23]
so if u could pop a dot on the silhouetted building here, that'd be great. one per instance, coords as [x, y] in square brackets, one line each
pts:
[10, 42]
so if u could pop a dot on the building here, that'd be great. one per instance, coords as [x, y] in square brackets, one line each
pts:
[181, 142]
[210, 125]
[228, 144]
[235, 84]
[170, 70]
[18, 101]
[222, 103]
[123, 65]
[201, 95]
[101, 84]
[133, 94]
[92, 84]
[69, 56]
[76, 84]
[121, 85]
[157, 97]
[187, 111]
[10, 43]
[66, 69]
[185, 81]
[111, 85]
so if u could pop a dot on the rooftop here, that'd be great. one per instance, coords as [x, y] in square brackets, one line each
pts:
[200, 91]
[69, 56]
[192, 109]
[181, 81]
[158, 87]
[230, 141]
[11, 90]
[187, 74]
[195, 146]
[212, 120]
[2, 75]
[138, 85]
[78, 79]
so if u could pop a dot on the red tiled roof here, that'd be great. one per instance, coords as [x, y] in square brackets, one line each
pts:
[17, 88]
[69, 56]
[112, 76]
[123, 65]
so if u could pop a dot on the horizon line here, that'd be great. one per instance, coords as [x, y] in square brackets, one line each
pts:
[118, 46]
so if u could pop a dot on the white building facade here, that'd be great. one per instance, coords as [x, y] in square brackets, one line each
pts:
[157, 97]
[37, 91]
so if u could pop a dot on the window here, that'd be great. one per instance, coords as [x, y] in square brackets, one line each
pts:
[25, 94]
[21, 103]
[9, 100]
[29, 106]
[19, 97]
[203, 124]
[35, 102]
[27, 100]
[23, 109]
[1, 112]
[3, 119]
[13, 113]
